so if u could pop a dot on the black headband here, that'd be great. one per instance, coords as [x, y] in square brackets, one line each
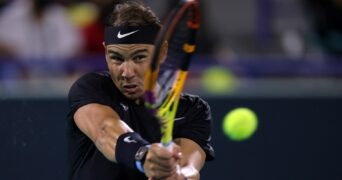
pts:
[131, 34]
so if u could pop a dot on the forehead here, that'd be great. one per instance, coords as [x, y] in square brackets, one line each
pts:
[127, 48]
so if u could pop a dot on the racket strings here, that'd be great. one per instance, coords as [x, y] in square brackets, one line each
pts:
[175, 57]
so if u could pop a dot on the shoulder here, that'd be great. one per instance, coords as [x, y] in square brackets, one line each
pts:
[93, 88]
[192, 100]
[91, 82]
[94, 78]
[192, 105]
[102, 74]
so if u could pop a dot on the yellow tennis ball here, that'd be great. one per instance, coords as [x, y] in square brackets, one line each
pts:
[240, 124]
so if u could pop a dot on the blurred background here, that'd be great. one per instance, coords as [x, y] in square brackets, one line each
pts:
[283, 59]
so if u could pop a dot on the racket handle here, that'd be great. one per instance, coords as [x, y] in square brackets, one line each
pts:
[168, 145]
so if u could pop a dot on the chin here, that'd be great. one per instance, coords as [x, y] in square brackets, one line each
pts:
[134, 96]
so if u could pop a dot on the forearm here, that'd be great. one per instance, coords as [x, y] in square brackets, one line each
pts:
[103, 126]
[106, 139]
[193, 158]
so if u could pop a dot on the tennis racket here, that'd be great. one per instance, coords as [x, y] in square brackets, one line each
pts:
[164, 81]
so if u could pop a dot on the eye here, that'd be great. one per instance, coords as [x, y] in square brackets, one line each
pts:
[116, 59]
[139, 58]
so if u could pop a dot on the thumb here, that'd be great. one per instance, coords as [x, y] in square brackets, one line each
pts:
[176, 151]
[178, 155]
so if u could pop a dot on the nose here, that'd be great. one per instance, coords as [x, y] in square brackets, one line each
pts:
[127, 70]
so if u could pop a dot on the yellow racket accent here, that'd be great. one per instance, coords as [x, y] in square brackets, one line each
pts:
[150, 79]
[167, 111]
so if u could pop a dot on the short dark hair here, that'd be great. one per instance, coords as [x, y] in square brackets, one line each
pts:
[132, 13]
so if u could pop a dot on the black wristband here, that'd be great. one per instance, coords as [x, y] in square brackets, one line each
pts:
[127, 146]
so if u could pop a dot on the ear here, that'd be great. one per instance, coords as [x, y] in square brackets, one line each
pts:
[104, 45]
[163, 52]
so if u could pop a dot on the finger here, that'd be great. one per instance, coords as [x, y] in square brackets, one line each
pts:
[161, 164]
[161, 157]
[178, 155]
[175, 150]
[160, 175]
[161, 152]
[157, 171]
[156, 174]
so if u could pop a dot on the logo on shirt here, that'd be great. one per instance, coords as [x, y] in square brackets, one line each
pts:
[125, 108]
[180, 118]
[126, 34]
[129, 140]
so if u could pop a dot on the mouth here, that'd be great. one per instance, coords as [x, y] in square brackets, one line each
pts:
[130, 88]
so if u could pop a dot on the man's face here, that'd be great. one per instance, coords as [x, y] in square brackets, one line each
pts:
[127, 64]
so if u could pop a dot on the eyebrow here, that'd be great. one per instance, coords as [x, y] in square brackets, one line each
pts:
[139, 51]
[111, 52]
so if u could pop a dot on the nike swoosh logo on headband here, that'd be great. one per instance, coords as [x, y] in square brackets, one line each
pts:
[126, 34]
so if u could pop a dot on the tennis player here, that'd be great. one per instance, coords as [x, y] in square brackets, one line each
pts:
[112, 136]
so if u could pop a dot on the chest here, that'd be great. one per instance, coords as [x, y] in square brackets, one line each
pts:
[143, 122]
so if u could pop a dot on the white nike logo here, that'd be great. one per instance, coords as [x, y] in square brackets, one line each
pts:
[124, 106]
[180, 118]
[126, 34]
[129, 140]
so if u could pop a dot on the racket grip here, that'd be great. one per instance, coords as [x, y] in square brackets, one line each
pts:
[168, 145]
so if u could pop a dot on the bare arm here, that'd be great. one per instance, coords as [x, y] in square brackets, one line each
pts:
[193, 158]
[102, 125]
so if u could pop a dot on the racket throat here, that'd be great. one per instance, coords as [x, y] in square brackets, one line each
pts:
[167, 111]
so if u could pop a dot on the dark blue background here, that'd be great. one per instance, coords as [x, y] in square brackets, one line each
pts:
[297, 138]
